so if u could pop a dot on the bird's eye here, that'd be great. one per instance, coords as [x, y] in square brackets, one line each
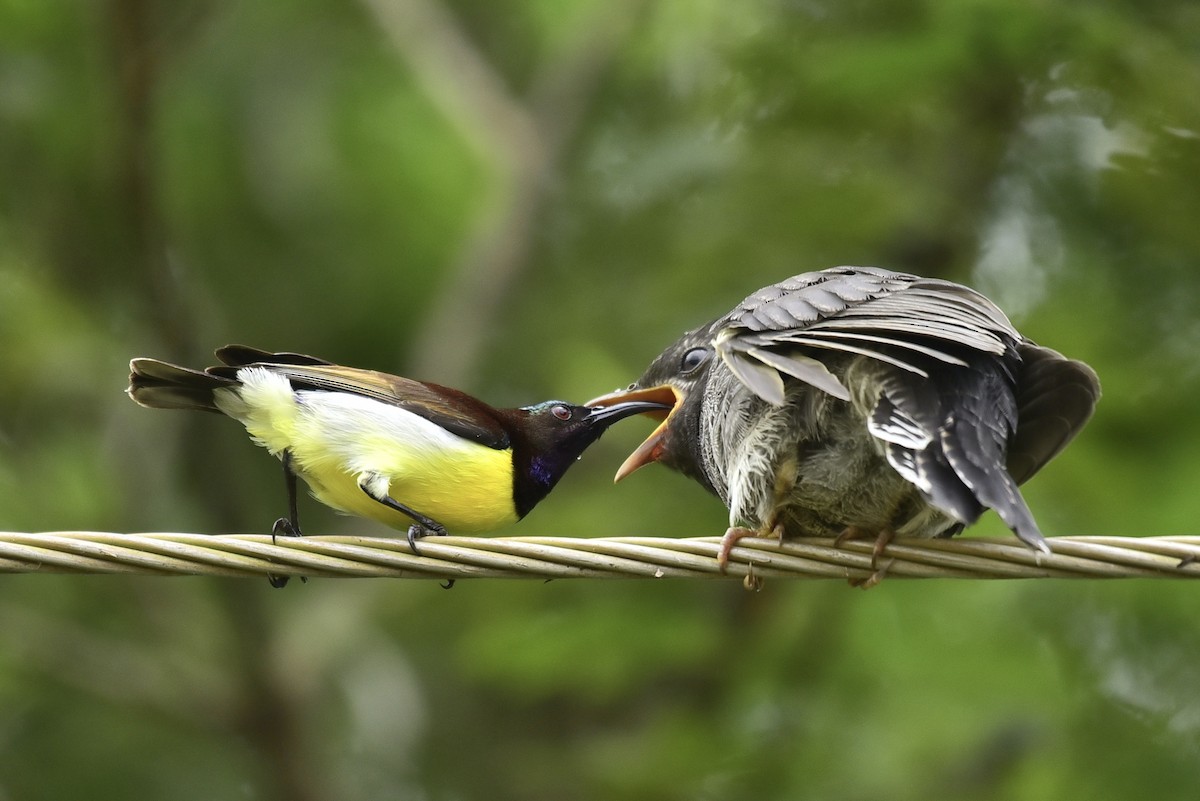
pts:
[693, 359]
[561, 412]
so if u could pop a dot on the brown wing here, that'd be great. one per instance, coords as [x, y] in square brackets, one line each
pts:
[455, 411]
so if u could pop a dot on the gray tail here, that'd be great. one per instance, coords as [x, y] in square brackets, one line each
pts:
[1055, 398]
[159, 385]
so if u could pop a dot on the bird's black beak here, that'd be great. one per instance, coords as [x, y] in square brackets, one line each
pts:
[611, 413]
[662, 401]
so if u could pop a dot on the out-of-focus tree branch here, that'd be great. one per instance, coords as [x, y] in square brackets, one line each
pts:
[520, 139]
[137, 66]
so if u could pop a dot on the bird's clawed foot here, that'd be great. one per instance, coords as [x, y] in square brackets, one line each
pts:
[882, 538]
[732, 537]
[283, 527]
[417, 531]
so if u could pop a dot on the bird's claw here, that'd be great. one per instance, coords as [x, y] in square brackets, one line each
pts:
[283, 527]
[418, 531]
[882, 539]
[732, 537]
[873, 579]
[752, 582]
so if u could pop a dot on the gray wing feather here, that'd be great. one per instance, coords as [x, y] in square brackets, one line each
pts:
[761, 379]
[949, 437]
[1055, 398]
[890, 423]
[879, 339]
[909, 417]
[817, 341]
[945, 490]
[805, 368]
[858, 310]
[982, 417]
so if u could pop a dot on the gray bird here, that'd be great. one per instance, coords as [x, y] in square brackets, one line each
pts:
[860, 402]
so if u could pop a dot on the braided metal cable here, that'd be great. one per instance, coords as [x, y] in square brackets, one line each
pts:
[570, 557]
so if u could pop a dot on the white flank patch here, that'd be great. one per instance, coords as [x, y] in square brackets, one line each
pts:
[265, 404]
[366, 435]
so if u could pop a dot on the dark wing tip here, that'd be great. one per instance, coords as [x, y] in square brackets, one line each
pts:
[1056, 397]
[243, 355]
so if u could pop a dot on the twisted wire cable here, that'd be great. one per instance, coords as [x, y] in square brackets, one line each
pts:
[255, 555]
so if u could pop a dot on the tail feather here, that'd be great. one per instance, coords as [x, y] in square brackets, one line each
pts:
[159, 385]
[1055, 398]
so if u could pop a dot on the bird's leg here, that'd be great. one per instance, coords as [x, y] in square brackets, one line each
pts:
[376, 488]
[286, 526]
[423, 527]
[882, 538]
[786, 475]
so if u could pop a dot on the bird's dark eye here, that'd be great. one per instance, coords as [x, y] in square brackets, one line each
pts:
[693, 359]
[561, 412]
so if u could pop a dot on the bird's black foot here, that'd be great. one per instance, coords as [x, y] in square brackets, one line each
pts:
[283, 528]
[418, 531]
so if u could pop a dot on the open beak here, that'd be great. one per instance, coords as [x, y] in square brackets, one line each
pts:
[663, 400]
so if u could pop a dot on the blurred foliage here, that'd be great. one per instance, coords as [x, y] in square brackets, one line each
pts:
[529, 200]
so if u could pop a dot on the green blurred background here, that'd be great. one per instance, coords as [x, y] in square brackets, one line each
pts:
[530, 200]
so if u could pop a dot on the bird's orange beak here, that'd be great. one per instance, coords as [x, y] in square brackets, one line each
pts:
[650, 450]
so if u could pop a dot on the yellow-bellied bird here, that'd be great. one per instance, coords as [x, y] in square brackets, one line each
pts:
[403, 452]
